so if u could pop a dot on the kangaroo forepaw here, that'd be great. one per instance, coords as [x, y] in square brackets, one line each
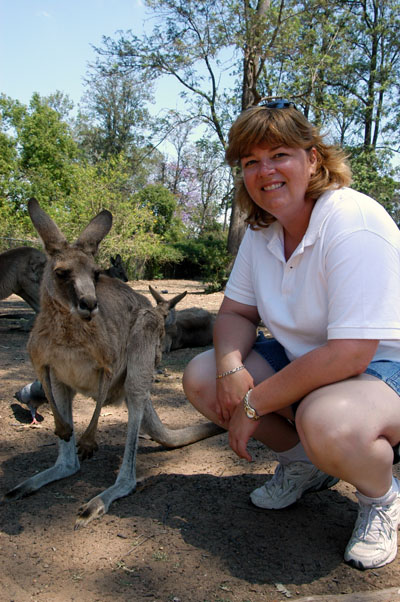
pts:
[86, 448]
[88, 512]
[63, 431]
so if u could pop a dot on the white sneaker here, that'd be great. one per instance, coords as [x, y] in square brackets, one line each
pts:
[374, 539]
[289, 483]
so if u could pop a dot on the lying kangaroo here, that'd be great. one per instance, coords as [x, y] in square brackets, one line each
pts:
[96, 335]
[21, 271]
[190, 327]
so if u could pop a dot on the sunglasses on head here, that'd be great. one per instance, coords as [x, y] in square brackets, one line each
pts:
[279, 104]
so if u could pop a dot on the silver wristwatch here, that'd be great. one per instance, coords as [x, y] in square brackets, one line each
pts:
[249, 410]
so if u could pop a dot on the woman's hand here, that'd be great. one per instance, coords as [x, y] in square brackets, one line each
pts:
[241, 429]
[230, 391]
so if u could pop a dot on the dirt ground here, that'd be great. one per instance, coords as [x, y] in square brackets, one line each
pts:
[188, 534]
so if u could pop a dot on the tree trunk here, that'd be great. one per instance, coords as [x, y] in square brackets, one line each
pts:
[237, 229]
[252, 61]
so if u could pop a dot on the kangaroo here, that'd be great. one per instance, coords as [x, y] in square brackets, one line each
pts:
[116, 269]
[21, 271]
[190, 327]
[95, 335]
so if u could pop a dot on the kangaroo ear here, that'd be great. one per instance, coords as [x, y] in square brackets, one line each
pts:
[53, 239]
[161, 301]
[172, 302]
[156, 295]
[94, 233]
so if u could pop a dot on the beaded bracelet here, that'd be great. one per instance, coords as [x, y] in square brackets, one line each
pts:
[230, 371]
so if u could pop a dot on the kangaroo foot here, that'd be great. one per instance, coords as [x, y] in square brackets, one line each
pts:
[86, 448]
[88, 512]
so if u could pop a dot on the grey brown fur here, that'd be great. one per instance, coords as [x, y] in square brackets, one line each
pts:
[95, 335]
[21, 271]
[116, 269]
[191, 327]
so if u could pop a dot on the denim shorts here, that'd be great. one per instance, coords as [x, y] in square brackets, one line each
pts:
[385, 370]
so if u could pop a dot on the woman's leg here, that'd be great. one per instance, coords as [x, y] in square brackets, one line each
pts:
[199, 383]
[295, 474]
[348, 430]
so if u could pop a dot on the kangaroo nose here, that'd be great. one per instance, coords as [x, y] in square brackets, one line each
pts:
[87, 307]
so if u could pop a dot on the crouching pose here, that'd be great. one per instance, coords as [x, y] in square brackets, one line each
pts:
[320, 265]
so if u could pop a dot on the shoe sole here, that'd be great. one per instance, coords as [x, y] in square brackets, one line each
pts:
[357, 564]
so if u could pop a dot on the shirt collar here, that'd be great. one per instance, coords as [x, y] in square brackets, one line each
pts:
[274, 233]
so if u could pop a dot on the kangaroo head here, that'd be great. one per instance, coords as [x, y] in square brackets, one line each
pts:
[117, 270]
[71, 272]
[164, 307]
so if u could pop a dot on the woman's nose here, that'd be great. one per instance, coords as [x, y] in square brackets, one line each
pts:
[266, 166]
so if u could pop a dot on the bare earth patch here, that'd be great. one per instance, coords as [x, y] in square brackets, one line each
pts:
[188, 534]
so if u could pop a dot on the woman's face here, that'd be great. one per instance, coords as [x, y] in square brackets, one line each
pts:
[277, 178]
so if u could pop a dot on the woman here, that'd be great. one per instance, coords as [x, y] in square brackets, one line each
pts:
[319, 265]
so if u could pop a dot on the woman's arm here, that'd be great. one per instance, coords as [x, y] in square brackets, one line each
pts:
[235, 332]
[337, 360]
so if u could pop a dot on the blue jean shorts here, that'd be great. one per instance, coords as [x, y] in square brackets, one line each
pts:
[385, 370]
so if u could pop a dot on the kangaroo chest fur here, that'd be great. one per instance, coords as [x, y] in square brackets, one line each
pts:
[77, 351]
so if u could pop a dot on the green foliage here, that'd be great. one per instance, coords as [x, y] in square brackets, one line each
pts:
[339, 60]
[162, 203]
[48, 151]
[373, 175]
[205, 257]
[113, 117]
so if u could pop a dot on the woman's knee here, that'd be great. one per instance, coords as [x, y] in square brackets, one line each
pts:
[327, 424]
[198, 375]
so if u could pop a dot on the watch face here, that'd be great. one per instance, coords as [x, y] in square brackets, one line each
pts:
[250, 412]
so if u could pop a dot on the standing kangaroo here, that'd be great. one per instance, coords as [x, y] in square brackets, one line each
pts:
[95, 335]
[21, 271]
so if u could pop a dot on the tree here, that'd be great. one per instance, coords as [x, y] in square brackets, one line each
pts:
[113, 116]
[373, 175]
[188, 45]
[198, 177]
[48, 151]
[338, 59]
[37, 160]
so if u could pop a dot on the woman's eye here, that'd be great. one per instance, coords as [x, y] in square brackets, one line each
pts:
[249, 162]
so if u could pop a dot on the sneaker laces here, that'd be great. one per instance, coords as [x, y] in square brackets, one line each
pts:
[284, 474]
[373, 520]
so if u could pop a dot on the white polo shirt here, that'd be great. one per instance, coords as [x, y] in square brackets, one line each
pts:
[342, 281]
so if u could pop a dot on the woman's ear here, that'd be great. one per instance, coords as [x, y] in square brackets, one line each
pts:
[313, 159]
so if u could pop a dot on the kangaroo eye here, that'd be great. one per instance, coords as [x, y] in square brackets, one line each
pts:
[62, 274]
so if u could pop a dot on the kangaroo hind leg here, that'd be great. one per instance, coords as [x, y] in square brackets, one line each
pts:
[67, 462]
[143, 347]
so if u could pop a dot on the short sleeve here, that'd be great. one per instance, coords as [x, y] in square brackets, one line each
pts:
[240, 284]
[363, 280]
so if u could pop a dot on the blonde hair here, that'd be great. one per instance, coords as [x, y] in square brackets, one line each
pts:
[286, 127]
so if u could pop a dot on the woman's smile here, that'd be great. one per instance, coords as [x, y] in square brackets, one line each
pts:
[277, 179]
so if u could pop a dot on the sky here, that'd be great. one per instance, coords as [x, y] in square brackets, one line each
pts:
[46, 45]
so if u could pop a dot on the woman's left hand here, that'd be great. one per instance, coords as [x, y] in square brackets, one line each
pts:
[241, 429]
